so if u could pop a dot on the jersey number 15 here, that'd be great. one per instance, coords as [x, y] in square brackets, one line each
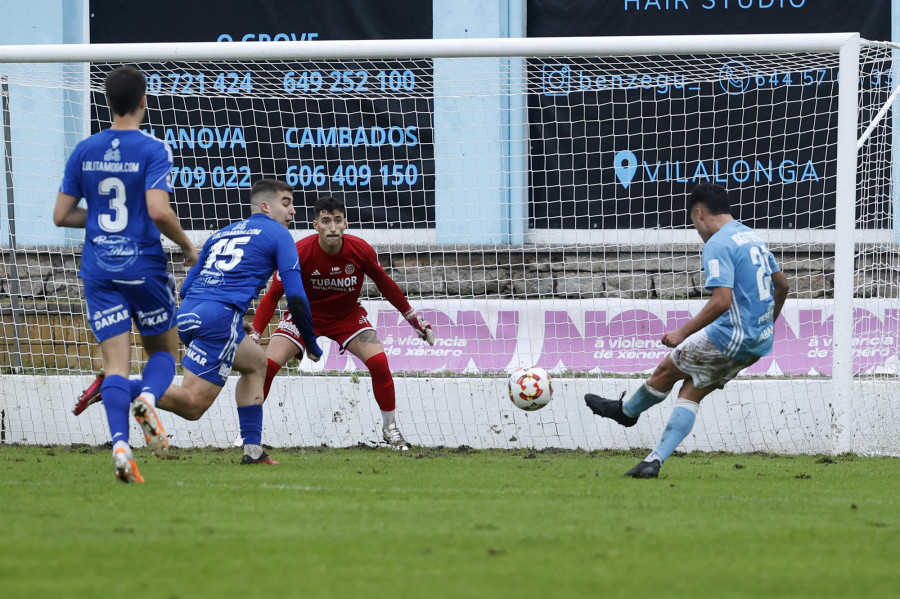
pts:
[225, 253]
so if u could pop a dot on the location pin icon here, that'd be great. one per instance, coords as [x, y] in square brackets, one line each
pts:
[626, 166]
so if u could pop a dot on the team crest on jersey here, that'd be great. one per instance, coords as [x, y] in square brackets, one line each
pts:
[349, 269]
[113, 154]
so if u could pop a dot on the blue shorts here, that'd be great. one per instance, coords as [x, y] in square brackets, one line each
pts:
[113, 304]
[211, 333]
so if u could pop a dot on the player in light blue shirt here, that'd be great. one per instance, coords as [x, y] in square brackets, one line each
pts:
[235, 264]
[123, 175]
[731, 332]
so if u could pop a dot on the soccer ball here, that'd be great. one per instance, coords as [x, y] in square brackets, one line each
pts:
[530, 388]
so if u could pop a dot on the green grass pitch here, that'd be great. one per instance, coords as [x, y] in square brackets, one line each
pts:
[370, 523]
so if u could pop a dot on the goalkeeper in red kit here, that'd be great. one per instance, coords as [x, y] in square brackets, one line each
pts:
[333, 266]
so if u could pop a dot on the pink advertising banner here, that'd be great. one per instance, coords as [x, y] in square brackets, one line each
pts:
[608, 335]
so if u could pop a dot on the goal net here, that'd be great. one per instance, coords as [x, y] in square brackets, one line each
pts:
[527, 195]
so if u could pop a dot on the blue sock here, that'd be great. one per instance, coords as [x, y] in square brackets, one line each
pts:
[644, 398]
[116, 396]
[250, 418]
[136, 386]
[680, 424]
[158, 373]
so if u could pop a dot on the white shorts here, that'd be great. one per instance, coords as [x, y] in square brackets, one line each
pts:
[699, 357]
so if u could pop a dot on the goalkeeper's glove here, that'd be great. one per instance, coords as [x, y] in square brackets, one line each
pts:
[254, 335]
[420, 326]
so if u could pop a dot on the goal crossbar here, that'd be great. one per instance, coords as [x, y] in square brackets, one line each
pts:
[429, 48]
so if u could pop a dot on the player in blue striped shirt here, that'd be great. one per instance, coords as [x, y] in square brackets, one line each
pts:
[124, 176]
[731, 332]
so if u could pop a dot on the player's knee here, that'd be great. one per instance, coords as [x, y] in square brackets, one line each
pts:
[378, 365]
[195, 407]
[193, 411]
[257, 367]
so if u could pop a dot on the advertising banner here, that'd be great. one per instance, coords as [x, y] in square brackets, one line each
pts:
[355, 128]
[618, 144]
[608, 336]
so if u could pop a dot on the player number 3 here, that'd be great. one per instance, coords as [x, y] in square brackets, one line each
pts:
[118, 220]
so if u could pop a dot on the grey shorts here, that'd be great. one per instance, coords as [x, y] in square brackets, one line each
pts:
[699, 357]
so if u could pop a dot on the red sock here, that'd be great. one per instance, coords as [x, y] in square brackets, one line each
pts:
[382, 382]
[272, 369]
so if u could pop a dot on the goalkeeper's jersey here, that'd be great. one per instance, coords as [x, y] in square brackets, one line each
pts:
[112, 170]
[333, 282]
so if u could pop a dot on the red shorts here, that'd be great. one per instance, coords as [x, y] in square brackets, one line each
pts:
[341, 330]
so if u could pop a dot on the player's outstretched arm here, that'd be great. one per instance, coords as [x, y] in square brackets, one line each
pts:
[421, 326]
[166, 221]
[298, 304]
[717, 305]
[267, 306]
[195, 270]
[392, 293]
[67, 213]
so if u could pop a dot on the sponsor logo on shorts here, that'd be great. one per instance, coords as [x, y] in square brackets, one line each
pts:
[188, 321]
[290, 327]
[110, 316]
[224, 371]
[196, 354]
[151, 319]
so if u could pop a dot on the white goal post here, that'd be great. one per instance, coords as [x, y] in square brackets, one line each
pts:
[527, 194]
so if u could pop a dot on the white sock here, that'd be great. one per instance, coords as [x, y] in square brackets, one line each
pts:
[151, 398]
[388, 418]
[254, 451]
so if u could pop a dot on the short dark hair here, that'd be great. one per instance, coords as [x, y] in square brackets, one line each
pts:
[125, 86]
[713, 196]
[328, 204]
[269, 186]
[265, 187]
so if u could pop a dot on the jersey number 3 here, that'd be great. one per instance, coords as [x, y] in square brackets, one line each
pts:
[118, 220]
